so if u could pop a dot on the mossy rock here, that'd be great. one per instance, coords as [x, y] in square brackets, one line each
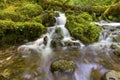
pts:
[48, 18]
[81, 28]
[11, 15]
[62, 66]
[30, 9]
[13, 33]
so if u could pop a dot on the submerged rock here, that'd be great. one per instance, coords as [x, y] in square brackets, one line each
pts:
[112, 75]
[116, 50]
[63, 66]
[95, 75]
[113, 46]
[117, 39]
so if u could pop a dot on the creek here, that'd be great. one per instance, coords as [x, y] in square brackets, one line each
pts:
[92, 60]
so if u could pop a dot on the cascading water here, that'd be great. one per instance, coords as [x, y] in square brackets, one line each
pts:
[42, 47]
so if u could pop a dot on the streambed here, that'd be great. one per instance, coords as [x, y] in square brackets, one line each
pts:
[15, 67]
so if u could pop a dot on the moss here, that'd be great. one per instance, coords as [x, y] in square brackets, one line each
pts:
[11, 15]
[12, 33]
[29, 9]
[81, 28]
[38, 19]
[48, 18]
[63, 66]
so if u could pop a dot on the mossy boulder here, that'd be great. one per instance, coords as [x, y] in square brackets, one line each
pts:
[81, 28]
[13, 33]
[48, 18]
[117, 52]
[62, 66]
[30, 9]
[11, 15]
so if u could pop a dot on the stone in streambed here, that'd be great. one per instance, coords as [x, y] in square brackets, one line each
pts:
[116, 50]
[117, 39]
[63, 66]
[112, 75]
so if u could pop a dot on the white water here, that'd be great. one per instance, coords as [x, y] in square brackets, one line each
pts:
[85, 69]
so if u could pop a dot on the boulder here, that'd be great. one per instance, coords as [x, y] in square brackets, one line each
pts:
[63, 66]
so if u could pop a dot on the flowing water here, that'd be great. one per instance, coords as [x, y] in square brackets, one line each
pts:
[38, 55]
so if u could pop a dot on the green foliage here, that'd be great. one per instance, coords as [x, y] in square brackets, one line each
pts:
[29, 9]
[80, 27]
[11, 32]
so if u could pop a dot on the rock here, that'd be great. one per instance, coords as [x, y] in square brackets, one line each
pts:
[117, 52]
[95, 75]
[117, 39]
[63, 66]
[113, 46]
[116, 49]
[112, 75]
[56, 43]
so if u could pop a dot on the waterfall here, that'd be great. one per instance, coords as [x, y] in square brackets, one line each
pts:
[42, 45]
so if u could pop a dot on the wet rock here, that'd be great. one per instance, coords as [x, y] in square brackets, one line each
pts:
[56, 43]
[117, 39]
[112, 75]
[95, 75]
[116, 50]
[63, 66]
[113, 46]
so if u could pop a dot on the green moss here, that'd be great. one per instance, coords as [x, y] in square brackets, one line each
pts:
[38, 19]
[48, 18]
[12, 33]
[81, 28]
[63, 66]
[29, 9]
[11, 15]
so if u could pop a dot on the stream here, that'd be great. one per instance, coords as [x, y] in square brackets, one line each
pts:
[92, 61]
